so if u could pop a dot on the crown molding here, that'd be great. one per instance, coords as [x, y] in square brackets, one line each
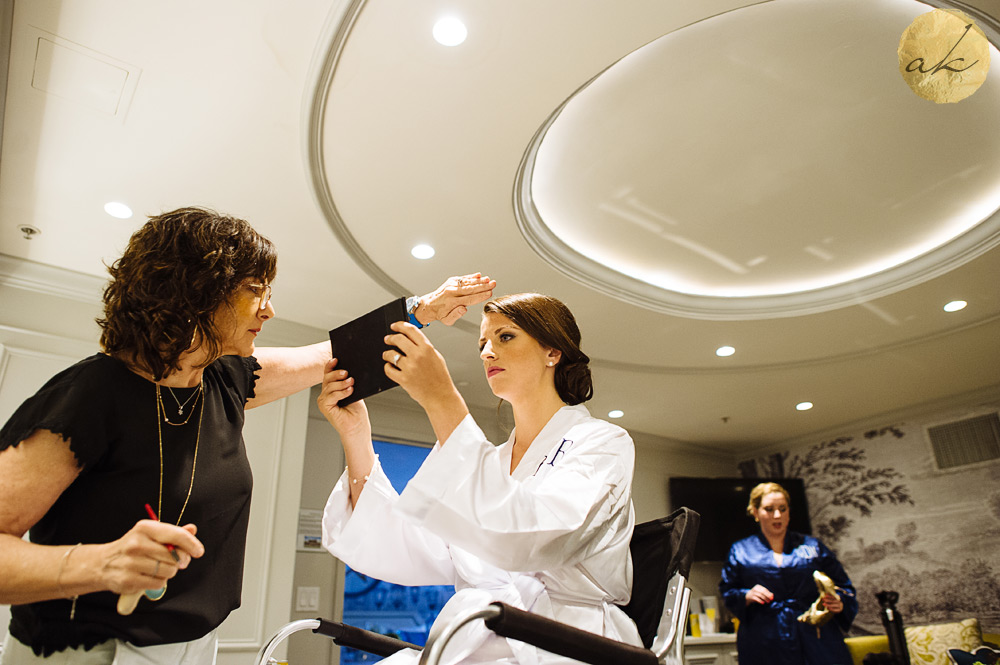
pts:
[45, 279]
[925, 411]
[48, 280]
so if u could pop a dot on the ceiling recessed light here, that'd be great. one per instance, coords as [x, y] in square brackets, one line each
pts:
[803, 406]
[617, 413]
[116, 209]
[422, 252]
[955, 305]
[724, 351]
[449, 31]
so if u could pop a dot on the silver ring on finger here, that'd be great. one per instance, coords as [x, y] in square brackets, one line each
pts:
[395, 359]
[156, 571]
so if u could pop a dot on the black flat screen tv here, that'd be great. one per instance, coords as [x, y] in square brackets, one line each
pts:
[722, 503]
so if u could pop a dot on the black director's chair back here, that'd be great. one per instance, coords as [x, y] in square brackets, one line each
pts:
[661, 550]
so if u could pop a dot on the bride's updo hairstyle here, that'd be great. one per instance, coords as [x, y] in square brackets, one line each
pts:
[552, 325]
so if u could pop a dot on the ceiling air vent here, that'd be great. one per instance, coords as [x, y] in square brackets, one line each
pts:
[965, 442]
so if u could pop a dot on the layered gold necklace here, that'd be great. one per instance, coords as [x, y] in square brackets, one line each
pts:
[156, 594]
[180, 406]
[161, 411]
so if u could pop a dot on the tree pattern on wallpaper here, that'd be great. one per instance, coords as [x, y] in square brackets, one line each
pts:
[940, 591]
[940, 556]
[934, 585]
[901, 524]
[836, 479]
[935, 593]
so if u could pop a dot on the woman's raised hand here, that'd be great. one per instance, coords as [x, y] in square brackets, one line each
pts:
[759, 594]
[140, 559]
[421, 371]
[417, 366]
[351, 423]
[450, 301]
[347, 420]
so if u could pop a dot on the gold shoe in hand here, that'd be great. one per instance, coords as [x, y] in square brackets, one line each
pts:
[818, 614]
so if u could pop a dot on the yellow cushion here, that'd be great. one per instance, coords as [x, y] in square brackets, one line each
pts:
[865, 644]
[928, 645]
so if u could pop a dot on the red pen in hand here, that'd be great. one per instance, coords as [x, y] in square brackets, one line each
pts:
[152, 516]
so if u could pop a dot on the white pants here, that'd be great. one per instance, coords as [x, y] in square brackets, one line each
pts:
[116, 652]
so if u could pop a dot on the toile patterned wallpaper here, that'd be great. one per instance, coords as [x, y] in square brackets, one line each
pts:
[897, 523]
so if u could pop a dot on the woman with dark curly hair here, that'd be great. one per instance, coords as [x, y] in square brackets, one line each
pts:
[541, 522]
[129, 468]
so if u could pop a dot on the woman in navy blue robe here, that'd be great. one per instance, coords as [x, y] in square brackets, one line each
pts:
[767, 583]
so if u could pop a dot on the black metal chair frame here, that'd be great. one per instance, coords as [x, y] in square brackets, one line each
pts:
[661, 551]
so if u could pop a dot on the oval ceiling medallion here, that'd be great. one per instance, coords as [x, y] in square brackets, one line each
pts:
[769, 161]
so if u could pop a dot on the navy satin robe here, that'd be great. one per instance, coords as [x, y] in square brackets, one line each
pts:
[771, 634]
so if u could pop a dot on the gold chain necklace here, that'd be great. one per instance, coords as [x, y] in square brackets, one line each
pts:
[156, 594]
[180, 407]
[162, 410]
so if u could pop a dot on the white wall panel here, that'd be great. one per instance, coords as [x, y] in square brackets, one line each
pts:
[275, 439]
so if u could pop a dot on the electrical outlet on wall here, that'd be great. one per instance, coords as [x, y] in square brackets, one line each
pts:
[307, 599]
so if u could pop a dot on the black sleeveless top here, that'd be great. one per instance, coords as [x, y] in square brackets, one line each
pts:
[108, 414]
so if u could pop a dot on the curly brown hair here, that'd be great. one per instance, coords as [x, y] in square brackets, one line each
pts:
[176, 272]
[552, 325]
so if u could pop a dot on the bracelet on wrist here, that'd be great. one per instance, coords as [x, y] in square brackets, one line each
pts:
[412, 303]
[354, 481]
[62, 591]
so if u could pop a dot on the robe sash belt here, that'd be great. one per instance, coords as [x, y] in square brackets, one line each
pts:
[788, 611]
[524, 592]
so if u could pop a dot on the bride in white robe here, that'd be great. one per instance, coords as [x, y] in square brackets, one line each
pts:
[541, 522]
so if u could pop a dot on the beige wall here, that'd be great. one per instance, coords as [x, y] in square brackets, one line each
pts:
[656, 461]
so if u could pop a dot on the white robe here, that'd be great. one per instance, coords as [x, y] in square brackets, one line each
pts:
[551, 538]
